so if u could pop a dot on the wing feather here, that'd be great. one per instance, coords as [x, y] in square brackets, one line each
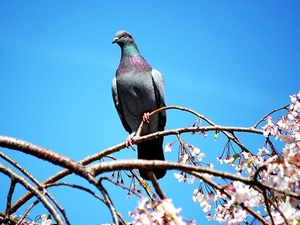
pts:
[118, 105]
[158, 84]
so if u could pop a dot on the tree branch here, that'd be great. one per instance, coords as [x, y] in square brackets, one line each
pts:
[28, 148]
[102, 167]
[29, 187]
[155, 184]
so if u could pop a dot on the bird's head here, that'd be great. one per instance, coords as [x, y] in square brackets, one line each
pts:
[122, 38]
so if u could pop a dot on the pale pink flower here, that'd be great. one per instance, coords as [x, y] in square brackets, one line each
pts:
[195, 151]
[262, 151]
[218, 196]
[206, 207]
[198, 196]
[180, 177]
[168, 147]
[293, 98]
[209, 217]
[45, 221]
[286, 138]
[191, 179]
[270, 128]
[192, 222]
[229, 161]
[210, 165]
[238, 216]
[241, 193]
[258, 160]
[219, 159]
[297, 136]
[183, 158]
[246, 154]
[296, 106]
[292, 115]
[201, 156]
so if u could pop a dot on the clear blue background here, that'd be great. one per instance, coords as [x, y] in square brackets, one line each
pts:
[232, 61]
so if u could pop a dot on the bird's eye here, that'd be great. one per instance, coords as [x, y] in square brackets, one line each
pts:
[125, 35]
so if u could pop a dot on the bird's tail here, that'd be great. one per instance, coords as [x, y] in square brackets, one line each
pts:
[152, 150]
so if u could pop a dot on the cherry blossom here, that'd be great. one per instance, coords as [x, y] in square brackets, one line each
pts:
[45, 220]
[180, 177]
[279, 171]
[168, 147]
[161, 212]
[241, 193]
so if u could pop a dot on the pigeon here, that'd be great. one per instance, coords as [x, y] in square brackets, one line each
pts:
[138, 89]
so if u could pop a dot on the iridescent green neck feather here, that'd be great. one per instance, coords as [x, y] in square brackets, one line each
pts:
[130, 50]
[132, 60]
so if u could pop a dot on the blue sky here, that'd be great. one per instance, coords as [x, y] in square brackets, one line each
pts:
[232, 61]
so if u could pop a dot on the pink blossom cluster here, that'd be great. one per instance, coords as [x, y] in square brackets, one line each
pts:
[227, 211]
[287, 127]
[188, 154]
[289, 210]
[160, 212]
[281, 172]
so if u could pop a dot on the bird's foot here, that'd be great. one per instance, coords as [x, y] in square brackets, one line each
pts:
[130, 140]
[146, 117]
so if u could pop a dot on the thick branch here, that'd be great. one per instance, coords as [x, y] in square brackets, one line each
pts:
[159, 164]
[52, 157]
[155, 184]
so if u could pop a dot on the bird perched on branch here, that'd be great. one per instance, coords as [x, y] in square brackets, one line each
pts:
[138, 89]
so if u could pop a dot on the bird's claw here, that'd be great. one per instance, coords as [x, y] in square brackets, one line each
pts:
[130, 141]
[146, 117]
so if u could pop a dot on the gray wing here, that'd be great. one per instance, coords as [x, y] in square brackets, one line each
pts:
[159, 94]
[116, 99]
[159, 85]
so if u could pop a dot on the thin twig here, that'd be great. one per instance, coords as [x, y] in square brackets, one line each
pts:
[267, 205]
[26, 212]
[13, 183]
[268, 114]
[76, 187]
[200, 116]
[133, 191]
[109, 202]
[123, 186]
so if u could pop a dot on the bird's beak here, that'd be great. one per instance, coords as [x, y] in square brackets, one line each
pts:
[115, 40]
